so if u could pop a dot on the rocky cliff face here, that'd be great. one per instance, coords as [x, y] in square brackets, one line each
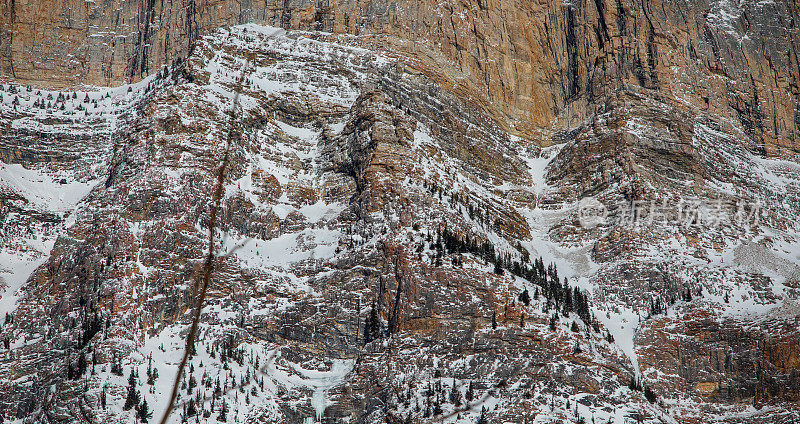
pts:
[534, 65]
[390, 185]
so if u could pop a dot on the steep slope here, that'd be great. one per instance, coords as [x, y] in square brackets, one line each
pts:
[333, 201]
[533, 65]
[688, 213]
[378, 230]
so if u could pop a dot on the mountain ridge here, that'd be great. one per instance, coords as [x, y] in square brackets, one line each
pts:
[392, 247]
[542, 65]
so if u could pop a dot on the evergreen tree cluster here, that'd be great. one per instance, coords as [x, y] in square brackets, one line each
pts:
[77, 370]
[636, 384]
[372, 326]
[439, 394]
[457, 201]
[152, 373]
[91, 324]
[134, 400]
[558, 293]
[661, 303]
[88, 101]
[199, 391]
[228, 351]
[201, 394]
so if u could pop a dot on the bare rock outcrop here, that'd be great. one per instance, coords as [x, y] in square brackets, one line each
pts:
[532, 65]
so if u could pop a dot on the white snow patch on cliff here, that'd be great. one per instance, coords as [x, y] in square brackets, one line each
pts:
[17, 264]
[41, 191]
[319, 382]
[724, 14]
[286, 249]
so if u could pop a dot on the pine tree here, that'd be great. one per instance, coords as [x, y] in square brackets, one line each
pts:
[437, 407]
[372, 325]
[455, 396]
[116, 366]
[494, 320]
[525, 297]
[150, 369]
[191, 409]
[650, 395]
[223, 412]
[132, 398]
[482, 419]
[470, 392]
[498, 266]
[151, 379]
[143, 412]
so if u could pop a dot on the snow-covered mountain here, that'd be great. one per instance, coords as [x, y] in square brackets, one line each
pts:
[391, 244]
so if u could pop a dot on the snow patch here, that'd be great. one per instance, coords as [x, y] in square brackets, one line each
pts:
[43, 192]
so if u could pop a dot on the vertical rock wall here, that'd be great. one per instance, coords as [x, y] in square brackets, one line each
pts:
[533, 64]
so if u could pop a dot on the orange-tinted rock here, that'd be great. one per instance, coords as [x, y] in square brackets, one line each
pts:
[532, 65]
